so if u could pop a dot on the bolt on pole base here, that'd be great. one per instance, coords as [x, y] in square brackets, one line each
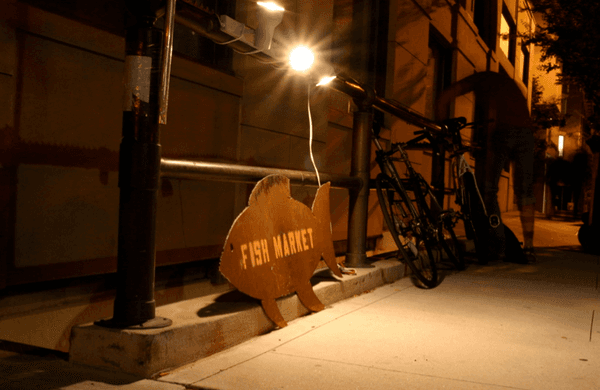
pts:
[154, 323]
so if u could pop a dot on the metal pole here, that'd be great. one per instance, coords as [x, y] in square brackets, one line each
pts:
[356, 256]
[208, 25]
[139, 170]
[167, 55]
[202, 170]
[359, 92]
[405, 113]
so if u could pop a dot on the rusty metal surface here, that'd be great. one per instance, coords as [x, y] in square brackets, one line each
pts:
[275, 244]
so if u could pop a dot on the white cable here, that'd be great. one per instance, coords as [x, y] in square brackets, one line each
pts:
[234, 39]
[310, 138]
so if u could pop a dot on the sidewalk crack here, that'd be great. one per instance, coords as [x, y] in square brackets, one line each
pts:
[592, 325]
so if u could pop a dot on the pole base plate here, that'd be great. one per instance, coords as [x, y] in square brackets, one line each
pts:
[154, 323]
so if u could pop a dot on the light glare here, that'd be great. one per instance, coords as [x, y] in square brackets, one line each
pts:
[325, 80]
[561, 145]
[270, 6]
[301, 58]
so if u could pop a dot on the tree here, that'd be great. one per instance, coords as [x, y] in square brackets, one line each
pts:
[571, 34]
[545, 114]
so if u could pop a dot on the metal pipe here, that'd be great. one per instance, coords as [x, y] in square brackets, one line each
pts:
[201, 170]
[356, 255]
[139, 173]
[405, 113]
[167, 55]
[358, 92]
[209, 26]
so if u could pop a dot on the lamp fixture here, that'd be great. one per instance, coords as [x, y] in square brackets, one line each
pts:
[270, 6]
[269, 16]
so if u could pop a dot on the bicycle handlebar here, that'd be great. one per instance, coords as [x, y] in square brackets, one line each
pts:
[449, 134]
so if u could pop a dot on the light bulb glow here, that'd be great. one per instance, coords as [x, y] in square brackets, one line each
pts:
[561, 145]
[301, 58]
[325, 80]
[270, 6]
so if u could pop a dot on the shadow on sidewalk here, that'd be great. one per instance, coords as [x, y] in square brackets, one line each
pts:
[26, 367]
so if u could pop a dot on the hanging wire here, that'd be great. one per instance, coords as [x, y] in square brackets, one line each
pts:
[310, 137]
[234, 39]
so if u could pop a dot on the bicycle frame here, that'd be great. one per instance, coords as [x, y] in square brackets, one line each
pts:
[421, 226]
[460, 167]
[387, 166]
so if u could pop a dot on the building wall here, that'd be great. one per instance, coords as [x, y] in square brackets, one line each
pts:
[62, 84]
[452, 24]
[63, 150]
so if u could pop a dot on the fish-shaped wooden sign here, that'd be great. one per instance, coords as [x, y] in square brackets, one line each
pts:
[275, 244]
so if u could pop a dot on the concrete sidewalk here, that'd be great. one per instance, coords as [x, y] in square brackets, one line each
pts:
[494, 327]
[501, 326]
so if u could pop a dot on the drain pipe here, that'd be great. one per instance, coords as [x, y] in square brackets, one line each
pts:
[139, 173]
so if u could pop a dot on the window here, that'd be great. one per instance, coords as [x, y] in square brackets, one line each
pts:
[524, 64]
[484, 19]
[507, 35]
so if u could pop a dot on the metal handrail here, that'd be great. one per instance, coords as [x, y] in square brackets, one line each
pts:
[202, 170]
[358, 91]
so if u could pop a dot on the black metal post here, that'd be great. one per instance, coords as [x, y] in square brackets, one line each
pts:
[356, 256]
[139, 173]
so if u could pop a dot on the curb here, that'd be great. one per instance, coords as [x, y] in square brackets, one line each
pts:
[207, 325]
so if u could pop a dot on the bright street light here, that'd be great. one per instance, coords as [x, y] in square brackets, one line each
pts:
[301, 58]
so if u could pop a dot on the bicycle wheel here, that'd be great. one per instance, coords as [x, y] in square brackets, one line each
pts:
[475, 218]
[443, 221]
[450, 244]
[413, 245]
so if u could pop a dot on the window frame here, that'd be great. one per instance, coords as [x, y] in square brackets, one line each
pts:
[511, 35]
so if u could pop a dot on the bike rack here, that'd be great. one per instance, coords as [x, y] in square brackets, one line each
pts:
[141, 165]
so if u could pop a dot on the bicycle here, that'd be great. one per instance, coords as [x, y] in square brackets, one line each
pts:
[467, 195]
[473, 212]
[421, 229]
